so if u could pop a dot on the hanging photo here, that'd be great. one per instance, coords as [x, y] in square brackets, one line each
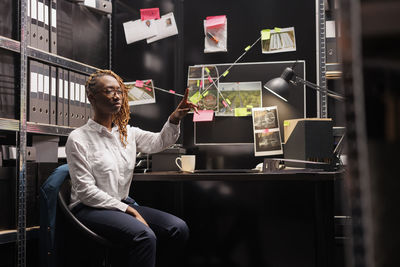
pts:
[267, 136]
[140, 92]
[278, 40]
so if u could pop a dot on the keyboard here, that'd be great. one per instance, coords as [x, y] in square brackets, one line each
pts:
[226, 171]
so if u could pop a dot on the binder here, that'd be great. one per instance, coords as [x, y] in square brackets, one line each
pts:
[78, 112]
[33, 92]
[60, 96]
[72, 102]
[28, 24]
[40, 103]
[83, 99]
[46, 26]
[66, 98]
[46, 94]
[34, 33]
[53, 27]
[53, 95]
[40, 25]
[88, 111]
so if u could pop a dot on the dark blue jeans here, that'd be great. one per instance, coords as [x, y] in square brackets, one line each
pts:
[167, 233]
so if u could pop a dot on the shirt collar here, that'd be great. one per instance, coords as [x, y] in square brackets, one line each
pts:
[100, 128]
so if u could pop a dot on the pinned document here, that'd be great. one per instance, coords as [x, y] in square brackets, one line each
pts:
[140, 92]
[203, 115]
[139, 30]
[278, 40]
[166, 27]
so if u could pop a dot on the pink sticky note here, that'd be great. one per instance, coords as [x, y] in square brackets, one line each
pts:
[201, 84]
[150, 13]
[215, 21]
[148, 89]
[203, 115]
[148, 81]
[172, 91]
[139, 83]
[224, 103]
[209, 79]
[266, 131]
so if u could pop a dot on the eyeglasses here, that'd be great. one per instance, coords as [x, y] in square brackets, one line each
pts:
[110, 91]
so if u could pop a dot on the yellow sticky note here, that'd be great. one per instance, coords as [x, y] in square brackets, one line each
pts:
[286, 123]
[276, 29]
[198, 83]
[266, 34]
[247, 48]
[249, 106]
[206, 93]
[208, 71]
[195, 98]
[228, 101]
[240, 112]
[225, 73]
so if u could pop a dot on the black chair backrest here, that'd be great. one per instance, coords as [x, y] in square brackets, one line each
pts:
[64, 196]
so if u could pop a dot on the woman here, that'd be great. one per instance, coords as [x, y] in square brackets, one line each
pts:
[101, 158]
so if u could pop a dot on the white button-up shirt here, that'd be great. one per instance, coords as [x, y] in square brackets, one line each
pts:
[101, 168]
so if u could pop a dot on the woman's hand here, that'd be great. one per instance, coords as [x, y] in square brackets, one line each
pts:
[136, 214]
[182, 109]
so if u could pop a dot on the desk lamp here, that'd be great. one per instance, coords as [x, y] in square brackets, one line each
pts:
[280, 86]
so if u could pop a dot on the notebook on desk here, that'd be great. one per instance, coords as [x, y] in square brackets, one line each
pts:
[226, 171]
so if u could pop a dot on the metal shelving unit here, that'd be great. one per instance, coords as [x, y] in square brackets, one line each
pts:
[22, 127]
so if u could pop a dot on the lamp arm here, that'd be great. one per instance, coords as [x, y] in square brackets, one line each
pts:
[319, 89]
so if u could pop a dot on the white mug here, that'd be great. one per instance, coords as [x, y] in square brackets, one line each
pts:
[188, 163]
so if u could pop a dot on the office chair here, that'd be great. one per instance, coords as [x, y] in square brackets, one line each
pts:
[63, 202]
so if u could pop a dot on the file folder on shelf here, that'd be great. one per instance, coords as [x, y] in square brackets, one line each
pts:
[66, 98]
[53, 27]
[72, 101]
[53, 95]
[40, 25]
[33, 92]
[28, 24]
[46, 26]
[83, 99]
[34, 33]
[60, 96]
[41, 102]
[46, 94]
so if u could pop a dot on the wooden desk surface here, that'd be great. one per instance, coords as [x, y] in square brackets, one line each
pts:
[298, 175]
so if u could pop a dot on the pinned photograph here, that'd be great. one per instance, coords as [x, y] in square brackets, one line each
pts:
[278, 40]
[166, 27]
[241, 97]
[139, 30]
[140, 92]
[267, 135]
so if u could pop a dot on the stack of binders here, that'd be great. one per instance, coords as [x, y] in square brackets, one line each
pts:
[42, 24]
[57, 96]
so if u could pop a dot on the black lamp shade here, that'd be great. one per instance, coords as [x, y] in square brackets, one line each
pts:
[279, 87]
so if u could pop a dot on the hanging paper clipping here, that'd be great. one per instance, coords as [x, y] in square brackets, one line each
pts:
[278, 40]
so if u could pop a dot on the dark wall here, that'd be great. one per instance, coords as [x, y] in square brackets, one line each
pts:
[166, 61]
[140, 61]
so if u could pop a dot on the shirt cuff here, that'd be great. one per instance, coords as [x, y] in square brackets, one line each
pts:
[122, 206]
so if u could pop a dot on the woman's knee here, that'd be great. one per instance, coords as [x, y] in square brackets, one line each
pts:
[180, 231]
[146, 236]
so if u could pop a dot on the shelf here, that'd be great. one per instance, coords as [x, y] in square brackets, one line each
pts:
[34, 53]
[10, 44]
[41, 128]
[10, 236]
[9, 125]
[33, 127]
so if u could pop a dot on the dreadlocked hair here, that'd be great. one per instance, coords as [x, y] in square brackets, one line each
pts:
[121, 118]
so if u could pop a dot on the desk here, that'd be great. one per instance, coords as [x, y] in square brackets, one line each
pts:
[248, 219]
